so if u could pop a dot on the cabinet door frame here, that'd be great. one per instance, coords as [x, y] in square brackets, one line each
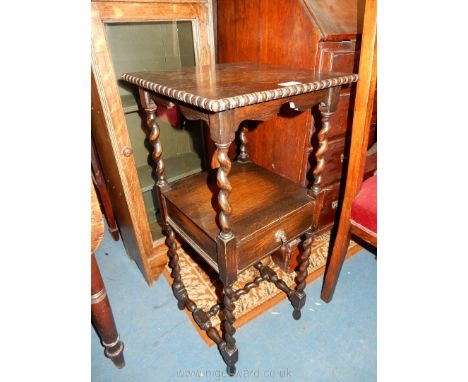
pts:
[199, 12]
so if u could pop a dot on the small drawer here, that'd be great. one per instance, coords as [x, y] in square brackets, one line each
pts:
[334, 157]
[371, 161]
[330, 205]
[372, 135]
[266, 240]
[346, 62]
[342, 119]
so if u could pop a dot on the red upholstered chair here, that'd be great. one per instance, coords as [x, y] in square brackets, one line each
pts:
[359, 206]
[101, 312]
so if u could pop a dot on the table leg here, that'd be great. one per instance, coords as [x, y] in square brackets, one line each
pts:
[225, 189]
[336, 261]
[327, 109]
[101, 315]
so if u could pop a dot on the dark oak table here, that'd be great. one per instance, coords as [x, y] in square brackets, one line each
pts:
[235, 216]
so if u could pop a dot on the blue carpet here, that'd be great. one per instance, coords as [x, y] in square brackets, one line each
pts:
[331, 342]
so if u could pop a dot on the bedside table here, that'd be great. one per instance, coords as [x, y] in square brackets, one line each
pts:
[237, 215]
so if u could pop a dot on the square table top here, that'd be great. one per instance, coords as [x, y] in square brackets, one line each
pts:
[228, 86]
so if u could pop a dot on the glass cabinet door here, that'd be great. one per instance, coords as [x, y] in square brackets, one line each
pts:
[160, 45]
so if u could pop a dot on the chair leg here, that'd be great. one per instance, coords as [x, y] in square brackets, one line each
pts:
[228, 346]
[334, 267]
[178, 287]
[101, 315]
[298, 297]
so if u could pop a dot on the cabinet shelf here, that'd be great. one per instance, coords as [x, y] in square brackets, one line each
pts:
[129, 103]
[263, 204]
[134, 38]
[156, 231]
[177, 167]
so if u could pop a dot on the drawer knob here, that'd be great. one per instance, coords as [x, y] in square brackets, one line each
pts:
[342, 158]
[127, 151]
[335, 204]
[285, 249]
[280, 237]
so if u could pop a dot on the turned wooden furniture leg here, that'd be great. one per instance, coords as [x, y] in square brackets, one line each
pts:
[101, 314]
[228, 348]
[100, 183]
[178, 287]
[268, 205]
[298, 298]
[201, 317]
[228, 267]
[327, 109]
[225, 189]
[336, 262]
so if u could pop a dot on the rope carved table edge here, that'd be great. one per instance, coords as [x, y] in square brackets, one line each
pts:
[296, 296]
[223, 123]
[241, 100]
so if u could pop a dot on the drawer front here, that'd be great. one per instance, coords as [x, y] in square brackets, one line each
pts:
[346, 62]
[265, 241]
[374, 109]
[330, 205]
[334, 158]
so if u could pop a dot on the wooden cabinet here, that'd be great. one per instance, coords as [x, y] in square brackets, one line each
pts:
[322, 35]
[144, 35]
